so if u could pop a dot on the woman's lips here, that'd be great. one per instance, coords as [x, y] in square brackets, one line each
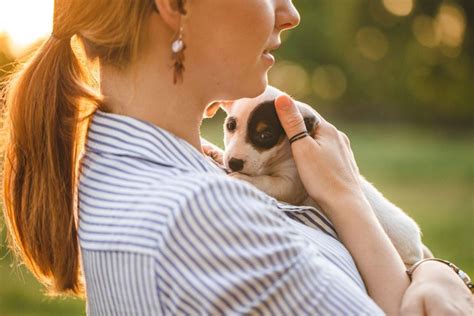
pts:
[269, 57]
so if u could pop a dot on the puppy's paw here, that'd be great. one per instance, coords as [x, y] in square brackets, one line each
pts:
[241, 176]
[214, 152]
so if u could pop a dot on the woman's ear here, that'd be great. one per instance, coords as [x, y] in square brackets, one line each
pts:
[170, 12]
[212, 109]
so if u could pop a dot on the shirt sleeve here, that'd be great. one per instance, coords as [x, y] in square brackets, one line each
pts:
[229, 252]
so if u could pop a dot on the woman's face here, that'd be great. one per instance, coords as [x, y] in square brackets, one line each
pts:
[226, 41]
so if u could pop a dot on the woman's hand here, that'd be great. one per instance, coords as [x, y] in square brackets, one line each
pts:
[326, 164]
[437, 290]
[330, 175]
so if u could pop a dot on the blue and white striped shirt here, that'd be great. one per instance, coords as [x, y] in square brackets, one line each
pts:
[164, 231]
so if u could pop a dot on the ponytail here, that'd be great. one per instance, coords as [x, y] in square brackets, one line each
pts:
[42, 120]
[45, 124]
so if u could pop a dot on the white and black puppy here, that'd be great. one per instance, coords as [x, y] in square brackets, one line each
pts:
[258, 151]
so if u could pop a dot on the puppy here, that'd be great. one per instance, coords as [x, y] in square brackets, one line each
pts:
[258, 151]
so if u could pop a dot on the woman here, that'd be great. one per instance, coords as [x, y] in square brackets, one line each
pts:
[161, 229]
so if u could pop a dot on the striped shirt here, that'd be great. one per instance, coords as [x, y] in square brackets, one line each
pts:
[164, 231]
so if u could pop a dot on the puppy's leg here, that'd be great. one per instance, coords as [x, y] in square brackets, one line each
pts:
[427, 252]
[212, 151]
[402, 229]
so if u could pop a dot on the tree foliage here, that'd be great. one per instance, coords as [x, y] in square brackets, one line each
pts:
[356, 59]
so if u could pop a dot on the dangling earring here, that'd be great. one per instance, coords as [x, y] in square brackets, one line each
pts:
[177, 54]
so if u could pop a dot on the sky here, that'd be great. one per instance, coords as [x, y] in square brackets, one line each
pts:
[25, 21]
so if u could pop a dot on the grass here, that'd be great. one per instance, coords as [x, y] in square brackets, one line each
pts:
[427, 173]
[21, 294]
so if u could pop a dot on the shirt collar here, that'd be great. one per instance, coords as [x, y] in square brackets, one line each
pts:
[122, 135]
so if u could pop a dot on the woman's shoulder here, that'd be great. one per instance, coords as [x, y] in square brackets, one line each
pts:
[137, 216]
[201, 199]
[213, 187]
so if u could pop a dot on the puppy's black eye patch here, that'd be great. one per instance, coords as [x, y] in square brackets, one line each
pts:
[231, 124]
[264, 129]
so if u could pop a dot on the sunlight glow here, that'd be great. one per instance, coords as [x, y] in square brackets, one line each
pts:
[25, 21]
[399, 7]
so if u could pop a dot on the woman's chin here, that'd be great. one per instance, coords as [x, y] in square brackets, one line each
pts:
[259, 87]
[251, 89]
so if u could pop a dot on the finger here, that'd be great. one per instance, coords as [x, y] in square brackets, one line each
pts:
[289, 116]
[345, 139]
[347, 142]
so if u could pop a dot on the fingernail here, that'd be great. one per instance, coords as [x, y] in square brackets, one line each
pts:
[284, 103]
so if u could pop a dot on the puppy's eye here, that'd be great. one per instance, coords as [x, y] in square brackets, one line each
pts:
[265, 135]
[231, 125]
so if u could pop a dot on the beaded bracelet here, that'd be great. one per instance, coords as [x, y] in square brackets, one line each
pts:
[464, 277]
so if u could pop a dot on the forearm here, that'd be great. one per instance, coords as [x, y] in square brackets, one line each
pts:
[378, 262]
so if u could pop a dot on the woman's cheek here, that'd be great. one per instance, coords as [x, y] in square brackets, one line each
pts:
[239, 30]
[230, 46]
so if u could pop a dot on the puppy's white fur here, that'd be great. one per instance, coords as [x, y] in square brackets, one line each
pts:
[274, 172]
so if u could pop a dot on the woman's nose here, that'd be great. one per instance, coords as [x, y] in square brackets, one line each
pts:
[287, 17]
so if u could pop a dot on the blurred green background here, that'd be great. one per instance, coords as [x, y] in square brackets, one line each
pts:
[396, 76]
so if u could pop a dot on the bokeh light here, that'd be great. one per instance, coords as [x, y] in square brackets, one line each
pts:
[399, 7]
[426, 31]
[446, 30]
[329, 82]
[451, 22]
[372, 43]
[290, 77]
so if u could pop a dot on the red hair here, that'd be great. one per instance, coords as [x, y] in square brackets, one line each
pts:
[47, 102]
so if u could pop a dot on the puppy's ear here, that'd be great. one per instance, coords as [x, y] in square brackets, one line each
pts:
[212, 108]
[310, 119]
[310, 123]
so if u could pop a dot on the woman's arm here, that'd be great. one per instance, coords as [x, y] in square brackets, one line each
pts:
[328, 170]
[378, 262]
[229, 251]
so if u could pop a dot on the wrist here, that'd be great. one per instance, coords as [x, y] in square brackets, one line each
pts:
[434, 268]
[430, 268]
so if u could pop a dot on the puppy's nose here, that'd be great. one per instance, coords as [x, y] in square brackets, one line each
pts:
[236, 164]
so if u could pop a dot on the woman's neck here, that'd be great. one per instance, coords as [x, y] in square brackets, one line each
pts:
[147, 92]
